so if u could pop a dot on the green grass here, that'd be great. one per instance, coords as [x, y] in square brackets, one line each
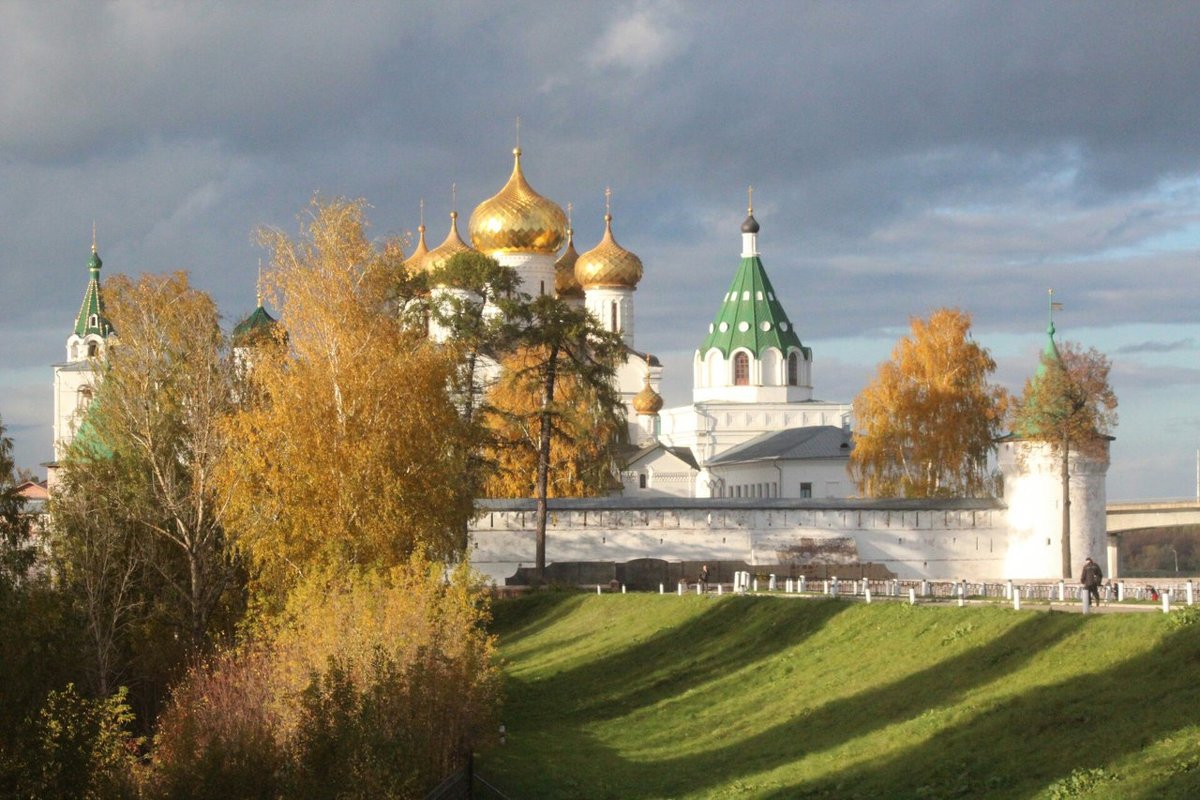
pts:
[645, 696]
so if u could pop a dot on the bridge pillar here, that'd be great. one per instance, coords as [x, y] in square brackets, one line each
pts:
[1114, 555]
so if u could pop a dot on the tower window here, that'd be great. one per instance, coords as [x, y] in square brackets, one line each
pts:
[93, 349]
[542, 288]
[93, 321]
[741, 370]
[793, 370]
[612, 309]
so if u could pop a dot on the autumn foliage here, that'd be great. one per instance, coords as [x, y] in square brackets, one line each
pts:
[928, 421]
[349, 451]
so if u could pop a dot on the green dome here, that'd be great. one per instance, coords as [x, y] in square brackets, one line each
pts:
[255, 328]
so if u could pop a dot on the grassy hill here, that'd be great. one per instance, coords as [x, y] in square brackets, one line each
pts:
[646, 696]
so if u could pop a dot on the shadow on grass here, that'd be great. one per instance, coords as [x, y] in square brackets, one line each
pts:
[665, 665]
[736, 632]
[1022, 746]
[518, 618]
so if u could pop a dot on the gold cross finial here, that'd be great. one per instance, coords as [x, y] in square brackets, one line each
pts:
[422, 215]
[570, 209]
[750, 194]
[454, 197]
[607, 201]
[258, 285]
[93, 236]
[518, 131]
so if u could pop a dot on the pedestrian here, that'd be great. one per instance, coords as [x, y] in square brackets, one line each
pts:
[1091, 579]
[704, 578]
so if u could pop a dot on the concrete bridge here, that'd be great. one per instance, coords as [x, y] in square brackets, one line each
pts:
[1132, 516]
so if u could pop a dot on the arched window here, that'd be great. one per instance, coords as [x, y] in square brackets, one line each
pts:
[84, 399]
[613, 314]
[793, 370]
[93, 349]
[641, 480]
[542, 287]
[741, 370]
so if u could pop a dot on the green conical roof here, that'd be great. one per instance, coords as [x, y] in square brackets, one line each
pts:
[253, 328]
[751, 317]
[1049, 352]
[91, 317]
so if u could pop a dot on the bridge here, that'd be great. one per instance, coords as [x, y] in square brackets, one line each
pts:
[1141, 515]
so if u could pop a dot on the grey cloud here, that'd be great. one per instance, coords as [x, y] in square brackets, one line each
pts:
[1157, 347]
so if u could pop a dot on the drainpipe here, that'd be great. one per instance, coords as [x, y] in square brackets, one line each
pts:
[779, 469]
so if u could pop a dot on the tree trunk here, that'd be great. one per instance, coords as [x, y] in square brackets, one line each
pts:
[543, 468]
[1066, 507]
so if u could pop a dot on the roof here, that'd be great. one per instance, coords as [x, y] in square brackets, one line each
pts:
[254, 327]
[790, 444]
[91, 319]
[684, 454]
[751, 317]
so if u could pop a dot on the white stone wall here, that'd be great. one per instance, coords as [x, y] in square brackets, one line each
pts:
[1033, 491]
[952, 540]
[535, 269]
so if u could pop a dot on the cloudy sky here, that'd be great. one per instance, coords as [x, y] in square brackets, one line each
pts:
[904, 156]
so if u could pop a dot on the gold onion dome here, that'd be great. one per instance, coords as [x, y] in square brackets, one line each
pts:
[565, 283]
[647, 402]
[413, 262]
[608, 264]
[518, 219]
[444, 251]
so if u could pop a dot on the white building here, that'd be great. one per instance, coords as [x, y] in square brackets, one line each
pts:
[75, 379]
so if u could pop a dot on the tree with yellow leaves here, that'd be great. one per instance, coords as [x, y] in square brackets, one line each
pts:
[349, 452]
[929, 420]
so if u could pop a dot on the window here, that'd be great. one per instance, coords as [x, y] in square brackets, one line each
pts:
[93, 349]
[542, 288]
[741, 370]
[641, 480]
[93, 321]
[793, 370]
[84, 399]
[612, 309]
[806, 490]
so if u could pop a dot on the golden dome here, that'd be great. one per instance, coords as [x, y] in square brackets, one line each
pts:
[413, 262]
[518, 219]
[647, 402]
[451, 247]
[608, 264]
[565, 284]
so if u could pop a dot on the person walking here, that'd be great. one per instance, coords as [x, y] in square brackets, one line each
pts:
[704, 578]
[1091, 579]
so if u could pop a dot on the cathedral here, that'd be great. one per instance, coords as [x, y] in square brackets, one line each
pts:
[752, 427]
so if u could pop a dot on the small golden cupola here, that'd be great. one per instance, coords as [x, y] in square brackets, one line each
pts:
[565, 284]
[608, 264]
[444, 251]
[517, 219]
[413, 262]
[647, 402]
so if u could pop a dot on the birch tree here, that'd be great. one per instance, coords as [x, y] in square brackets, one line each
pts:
[928, 421]
[350, 453]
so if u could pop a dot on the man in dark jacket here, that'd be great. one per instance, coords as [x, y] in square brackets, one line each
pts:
[1091, 579]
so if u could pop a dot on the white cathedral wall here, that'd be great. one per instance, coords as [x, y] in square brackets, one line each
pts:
[826, 477]
[711, 428]
[68, 413]
[952, 541]
[536, 271]
[609, 305]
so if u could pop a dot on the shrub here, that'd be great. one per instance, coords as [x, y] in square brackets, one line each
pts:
[217, 737]
[83, 748]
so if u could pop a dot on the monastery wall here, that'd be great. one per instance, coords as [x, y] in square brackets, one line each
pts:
[936, 539]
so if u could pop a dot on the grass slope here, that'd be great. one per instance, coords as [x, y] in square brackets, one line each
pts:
[645, 696]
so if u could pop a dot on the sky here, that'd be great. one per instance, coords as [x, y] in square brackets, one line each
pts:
[904, 156]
